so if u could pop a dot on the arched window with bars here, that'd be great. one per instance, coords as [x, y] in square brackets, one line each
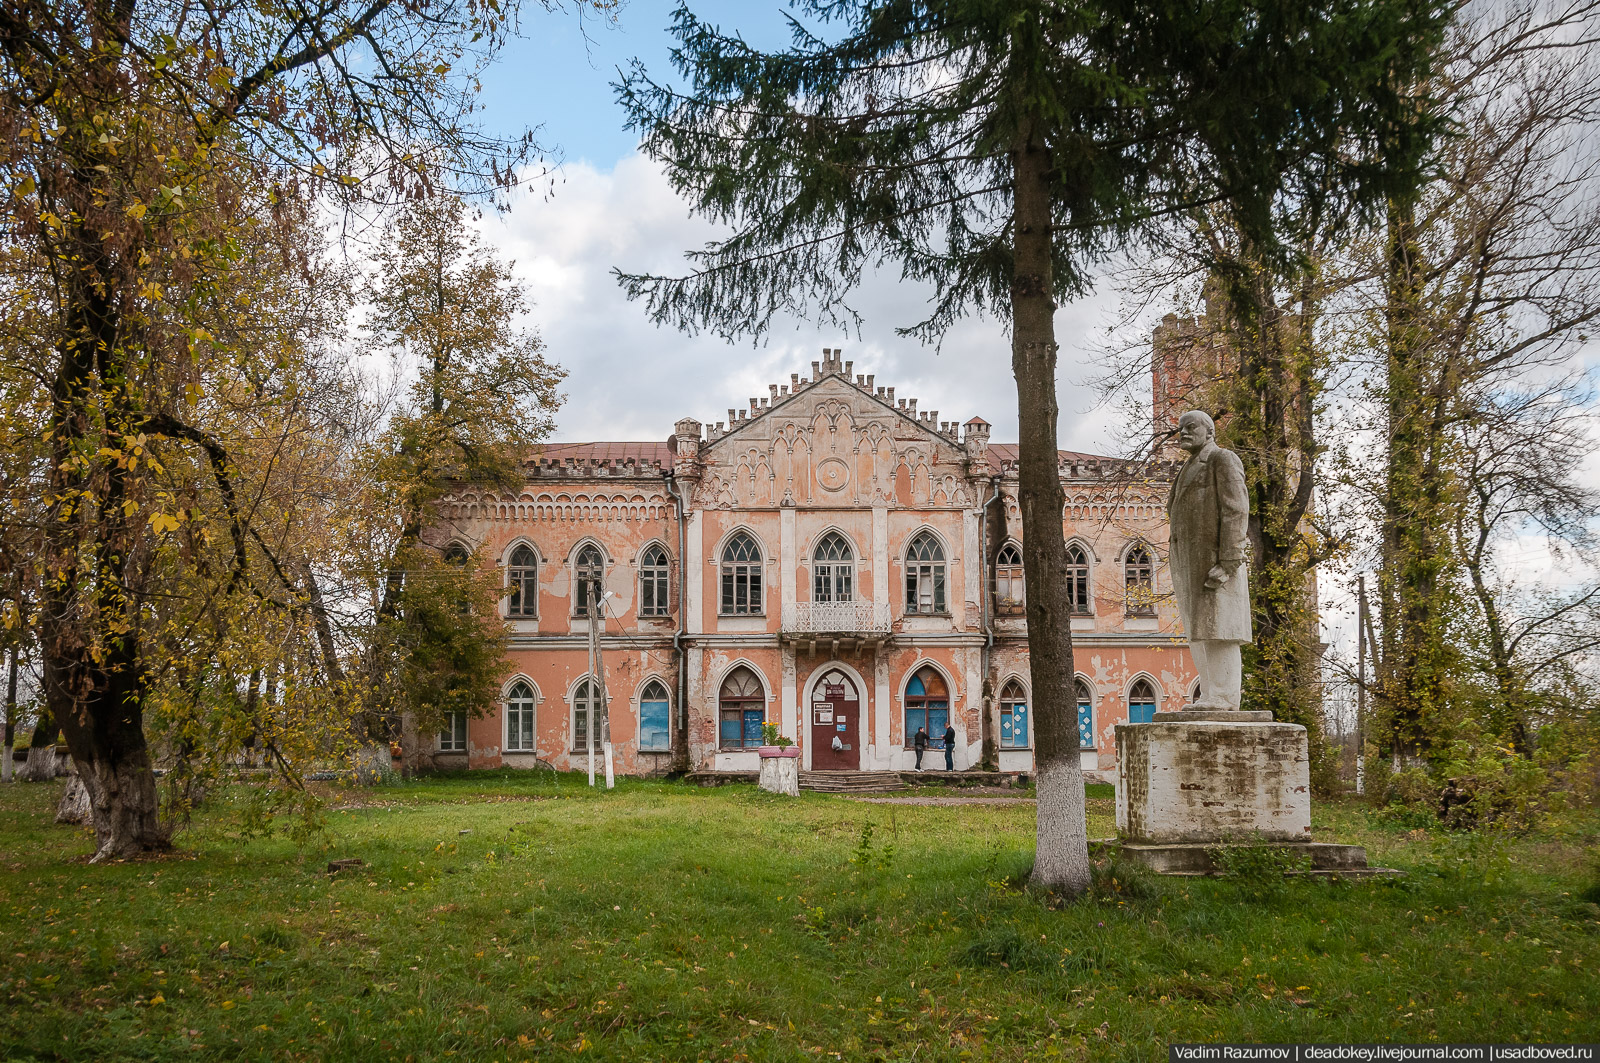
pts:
[1139, 581]
[833, 568]
[1008, 580]
[741, 707]
[522, 576]
[1078, 579]
[1014, 716]
[588, 577]
[741, 576]
[654, 585]
[925, 575]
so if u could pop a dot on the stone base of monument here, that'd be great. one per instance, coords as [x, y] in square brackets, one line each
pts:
[1195, 780]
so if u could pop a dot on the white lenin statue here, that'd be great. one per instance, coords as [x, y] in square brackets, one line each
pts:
[1209, 511]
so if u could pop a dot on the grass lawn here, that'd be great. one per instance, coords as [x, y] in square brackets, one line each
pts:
[522, 916]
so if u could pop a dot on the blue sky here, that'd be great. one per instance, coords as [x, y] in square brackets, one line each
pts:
[559, 73]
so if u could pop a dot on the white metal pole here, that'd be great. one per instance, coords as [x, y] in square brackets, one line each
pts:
[605, 700]
[588, 702]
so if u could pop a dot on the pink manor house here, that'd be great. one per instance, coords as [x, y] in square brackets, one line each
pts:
[830, 560]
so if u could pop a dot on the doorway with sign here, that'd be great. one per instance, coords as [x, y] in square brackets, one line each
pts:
[835, 723]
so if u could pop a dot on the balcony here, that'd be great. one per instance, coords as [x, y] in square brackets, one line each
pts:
[836, 624]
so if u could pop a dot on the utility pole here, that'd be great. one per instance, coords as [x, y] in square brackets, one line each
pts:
[597, 685]
[1361, 683]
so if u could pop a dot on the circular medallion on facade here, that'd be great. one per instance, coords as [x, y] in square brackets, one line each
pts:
[833, 474]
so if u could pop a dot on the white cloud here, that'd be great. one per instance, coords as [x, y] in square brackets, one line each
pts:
[631, 380]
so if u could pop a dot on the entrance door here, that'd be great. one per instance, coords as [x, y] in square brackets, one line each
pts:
[835, 713]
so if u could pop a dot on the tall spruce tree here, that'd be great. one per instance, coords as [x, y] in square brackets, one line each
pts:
[995, 151]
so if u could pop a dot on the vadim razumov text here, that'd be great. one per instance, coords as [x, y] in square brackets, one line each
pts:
[1308, 1053]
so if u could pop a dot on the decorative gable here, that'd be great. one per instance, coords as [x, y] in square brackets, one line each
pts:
[831, 441]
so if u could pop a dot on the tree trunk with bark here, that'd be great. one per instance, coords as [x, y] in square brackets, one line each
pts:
[1062, 859]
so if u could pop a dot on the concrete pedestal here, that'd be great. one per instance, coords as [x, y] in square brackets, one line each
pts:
[1211, 777]
[780, 772]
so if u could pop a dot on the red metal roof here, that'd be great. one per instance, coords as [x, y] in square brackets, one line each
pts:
[1006, 454]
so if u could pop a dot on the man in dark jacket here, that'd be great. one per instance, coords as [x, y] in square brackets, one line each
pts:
[919, 742]
[949, 748]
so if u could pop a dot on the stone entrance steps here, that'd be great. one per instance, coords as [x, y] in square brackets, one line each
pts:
[851, 782]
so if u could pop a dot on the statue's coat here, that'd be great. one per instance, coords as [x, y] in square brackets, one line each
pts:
[1209, 510]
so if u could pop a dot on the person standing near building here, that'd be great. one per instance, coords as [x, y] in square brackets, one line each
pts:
[919, 742]
[949, 748]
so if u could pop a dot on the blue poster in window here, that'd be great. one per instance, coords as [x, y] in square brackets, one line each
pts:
[752, 727]
[938, 720]
[730, 732]
[1019, 727]
[654, 729]
[1085, 725]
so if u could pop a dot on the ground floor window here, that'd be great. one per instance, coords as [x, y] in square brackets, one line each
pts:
[927, 706]
[519, 719]
[1141, 702]
[453, 738]
[586, 697]
[742, 707]
[1085, 716]
[655, 719]
[1013, 717]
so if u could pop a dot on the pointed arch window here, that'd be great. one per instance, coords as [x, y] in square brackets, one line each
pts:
[1085, 715]
[742, 707]
[588, 575]
[925, 575]
[1139, 580]
[654, 573]
[833, 568]
[522, 574]
[456, 554]
[927, 705]
[1008, 580]
[586, 696]
[1078, 579]
[655, 718]
[520, 704]
[741, 576]
[1013, 716]
[1141, 702]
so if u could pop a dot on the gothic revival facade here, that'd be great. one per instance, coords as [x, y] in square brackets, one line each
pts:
[830, 560]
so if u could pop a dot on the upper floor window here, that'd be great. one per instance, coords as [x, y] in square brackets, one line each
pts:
[1139, 579]
[742, 707]
[457, 555]
[588, 573]
[925, 575]
[523, 576]
[1013, 716]
[1141, 702]
[833, 570]
[655, 718]
[1077, 578]
[1008, 579]
[741, 576]
[653, 576]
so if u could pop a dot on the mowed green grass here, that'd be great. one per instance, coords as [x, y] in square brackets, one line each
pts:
[512, 917]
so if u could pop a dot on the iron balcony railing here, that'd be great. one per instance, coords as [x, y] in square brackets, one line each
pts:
[836, 618]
